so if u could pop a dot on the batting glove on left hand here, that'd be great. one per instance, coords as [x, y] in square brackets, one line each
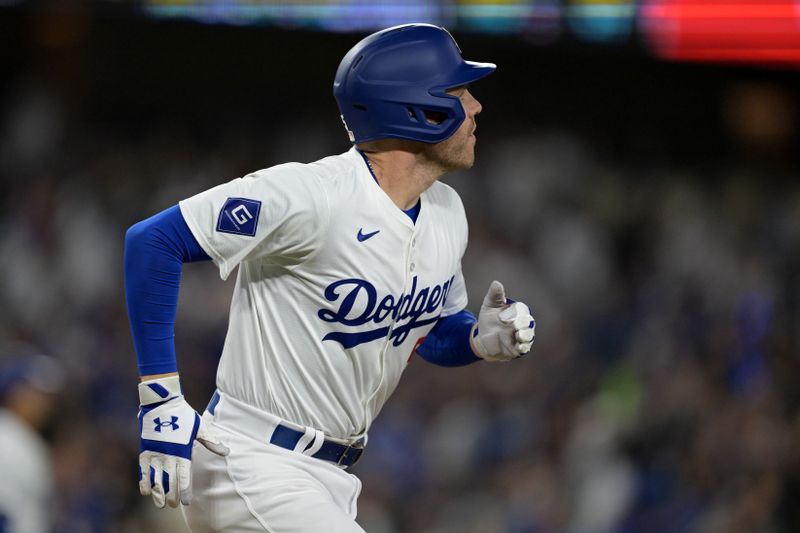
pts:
[505, 329]
[169, 427]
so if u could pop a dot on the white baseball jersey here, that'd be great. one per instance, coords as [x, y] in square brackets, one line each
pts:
[336, 286]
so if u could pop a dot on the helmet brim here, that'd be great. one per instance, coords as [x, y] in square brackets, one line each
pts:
[468, 72]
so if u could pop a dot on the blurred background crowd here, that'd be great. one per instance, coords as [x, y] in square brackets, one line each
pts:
[649, 212]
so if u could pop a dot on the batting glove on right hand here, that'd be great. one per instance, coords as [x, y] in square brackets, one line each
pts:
[169, 427]
[505, 329]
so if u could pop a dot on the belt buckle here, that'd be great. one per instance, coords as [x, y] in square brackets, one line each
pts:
[347, 448]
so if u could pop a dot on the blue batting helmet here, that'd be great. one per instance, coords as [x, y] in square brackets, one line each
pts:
[24, 366]
[388, 81]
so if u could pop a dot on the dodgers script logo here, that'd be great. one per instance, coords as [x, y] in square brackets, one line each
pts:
[409, 306]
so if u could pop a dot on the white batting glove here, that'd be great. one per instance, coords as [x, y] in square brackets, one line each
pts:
[505, 329]
[168, 427]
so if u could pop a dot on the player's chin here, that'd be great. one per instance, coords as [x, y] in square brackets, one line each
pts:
[459, 159]
[460, 164]
[469, 159]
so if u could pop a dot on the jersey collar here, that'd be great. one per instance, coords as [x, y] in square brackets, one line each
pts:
[365, 173]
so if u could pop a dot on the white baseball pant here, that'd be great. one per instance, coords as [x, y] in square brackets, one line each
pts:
[262, 487]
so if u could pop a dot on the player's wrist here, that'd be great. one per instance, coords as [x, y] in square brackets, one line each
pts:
[474, 342]
[151, 377]
[159, 389]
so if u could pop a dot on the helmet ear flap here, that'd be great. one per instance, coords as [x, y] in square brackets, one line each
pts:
[435, 118]
[426, 116]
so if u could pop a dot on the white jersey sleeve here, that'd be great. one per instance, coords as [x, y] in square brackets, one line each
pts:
[278, 214]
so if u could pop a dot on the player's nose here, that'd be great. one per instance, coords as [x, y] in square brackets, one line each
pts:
[473, 106]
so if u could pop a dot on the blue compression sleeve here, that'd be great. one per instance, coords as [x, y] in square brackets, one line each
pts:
[447, 344]
[155, 250]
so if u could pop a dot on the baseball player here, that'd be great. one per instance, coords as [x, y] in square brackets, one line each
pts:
[29, 386]
[347, 267]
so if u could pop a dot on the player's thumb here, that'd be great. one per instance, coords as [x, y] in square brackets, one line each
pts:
[207, 438]
[496, 296]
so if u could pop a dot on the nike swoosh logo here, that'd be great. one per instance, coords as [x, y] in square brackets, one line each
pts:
[363, 237]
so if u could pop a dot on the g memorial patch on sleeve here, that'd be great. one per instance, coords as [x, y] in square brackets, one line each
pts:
[239, 216]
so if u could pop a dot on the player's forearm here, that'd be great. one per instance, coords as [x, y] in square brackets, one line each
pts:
[155, 250]
[151, 377]
[448, 343]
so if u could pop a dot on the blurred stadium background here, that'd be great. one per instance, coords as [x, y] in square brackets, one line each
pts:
[636, 181]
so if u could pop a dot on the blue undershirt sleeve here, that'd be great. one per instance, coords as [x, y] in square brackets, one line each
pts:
[447, 344]
[155, 250]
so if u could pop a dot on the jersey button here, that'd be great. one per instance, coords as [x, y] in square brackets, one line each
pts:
[411, 267]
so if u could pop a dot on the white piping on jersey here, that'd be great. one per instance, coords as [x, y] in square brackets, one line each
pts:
[368, 415]
[408, 276]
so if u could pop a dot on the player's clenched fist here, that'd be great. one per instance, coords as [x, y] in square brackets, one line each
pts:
[169, 427]
[504, 330]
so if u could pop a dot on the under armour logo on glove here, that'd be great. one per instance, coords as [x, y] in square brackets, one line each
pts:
[170, 424]
[166, 446]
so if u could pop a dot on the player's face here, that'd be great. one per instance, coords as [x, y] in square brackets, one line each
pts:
[458, 152]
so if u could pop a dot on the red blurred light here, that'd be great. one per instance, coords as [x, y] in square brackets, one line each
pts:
[723, 30]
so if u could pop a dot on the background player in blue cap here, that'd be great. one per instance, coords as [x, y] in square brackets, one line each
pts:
[29, 383]
[347, 267]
